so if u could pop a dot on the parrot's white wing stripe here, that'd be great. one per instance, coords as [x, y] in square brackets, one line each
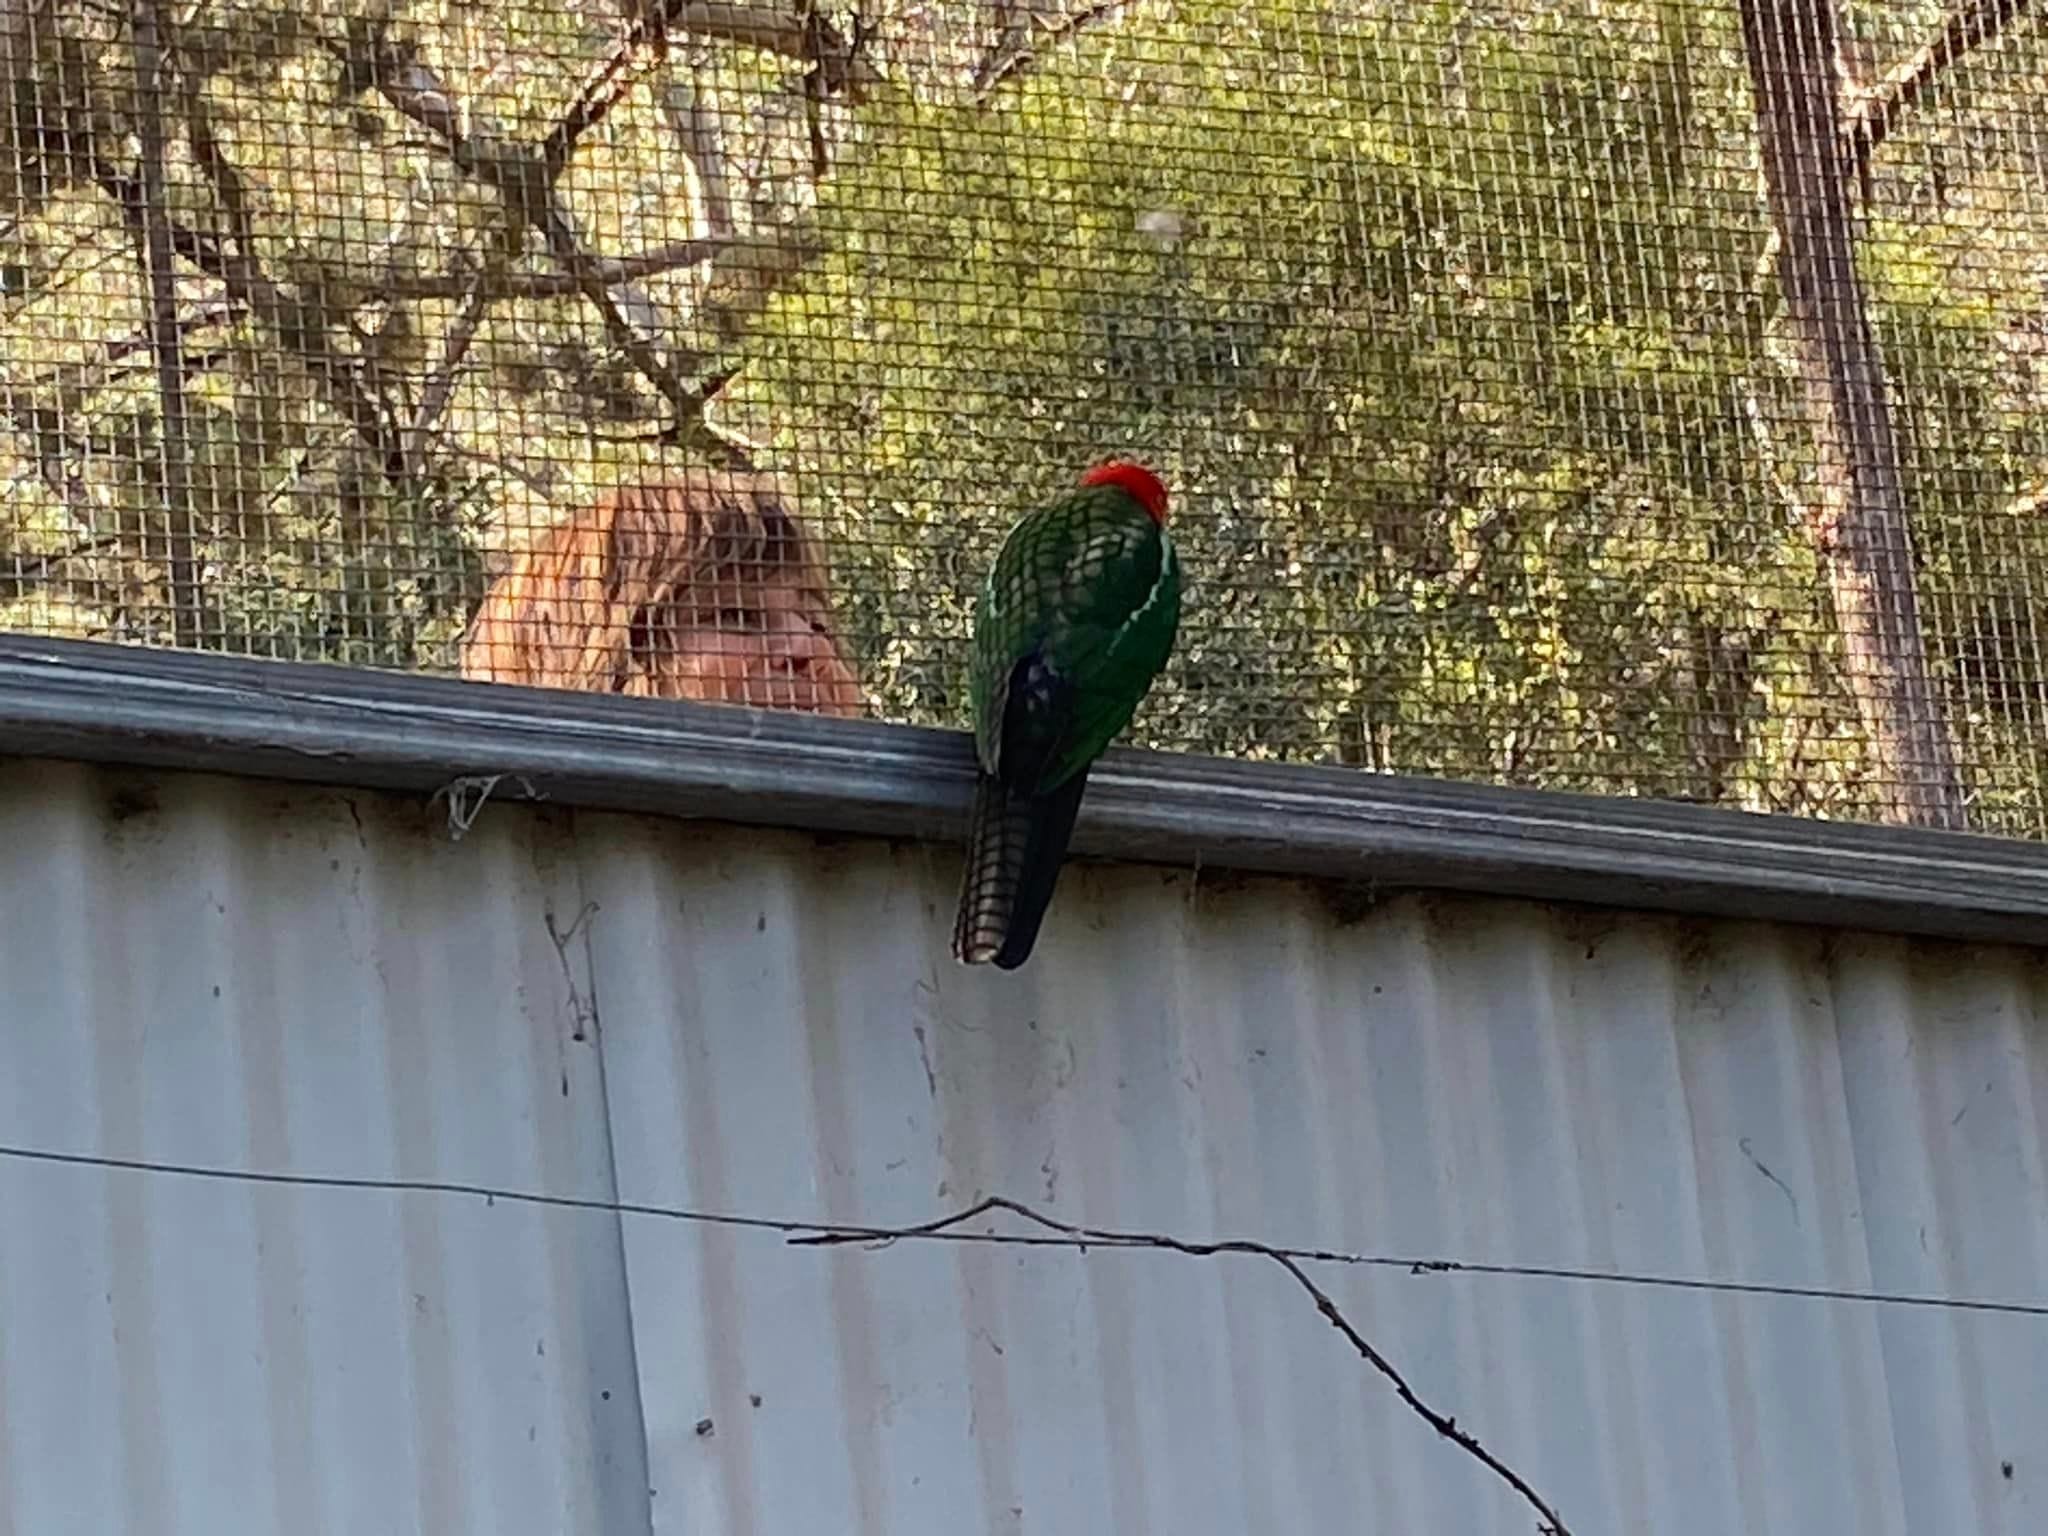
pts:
[1169, 566]
[989, 753]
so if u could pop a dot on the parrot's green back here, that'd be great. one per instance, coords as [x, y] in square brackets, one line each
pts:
[1077, 616]
[1091, 585]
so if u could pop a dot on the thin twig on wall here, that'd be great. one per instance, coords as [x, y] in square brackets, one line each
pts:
[1443, 1423]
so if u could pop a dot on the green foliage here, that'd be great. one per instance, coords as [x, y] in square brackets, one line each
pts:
[1452, 327]
[1452, 498]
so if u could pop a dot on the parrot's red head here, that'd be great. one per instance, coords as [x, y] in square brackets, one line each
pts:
[1135, 481]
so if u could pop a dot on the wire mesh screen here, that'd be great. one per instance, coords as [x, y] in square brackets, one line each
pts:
[1638, 396]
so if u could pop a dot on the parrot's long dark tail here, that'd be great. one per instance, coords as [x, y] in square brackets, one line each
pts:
[1015, 847]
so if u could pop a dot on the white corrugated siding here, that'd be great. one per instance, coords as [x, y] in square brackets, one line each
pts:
[210, 971]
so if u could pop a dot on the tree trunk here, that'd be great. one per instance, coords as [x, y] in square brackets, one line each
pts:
[1858, 514]
[160, 281]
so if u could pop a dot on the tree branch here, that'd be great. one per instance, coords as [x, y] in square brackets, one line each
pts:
[299, 325]
[1012, 55]
[18, 574]
[218, 312]
[243, 274]
[525, 180]
[693, 112]
[686, 401]
[608, 270]
[603, 91]
[839, 62]
[1859, 521]
[773, 30]
[160, 281]
[55, 452]
[441, 387]
[1442, 1423]
[203, 251]
[1874, 117]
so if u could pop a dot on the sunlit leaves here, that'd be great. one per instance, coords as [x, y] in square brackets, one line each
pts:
[1451, 325]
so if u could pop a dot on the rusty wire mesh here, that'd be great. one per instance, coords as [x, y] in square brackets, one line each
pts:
[1646, 397]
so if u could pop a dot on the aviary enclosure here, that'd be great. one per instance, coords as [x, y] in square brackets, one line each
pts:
[1644, 398]
[1630, 396]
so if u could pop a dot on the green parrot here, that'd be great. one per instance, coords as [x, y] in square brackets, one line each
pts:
[1077, 616]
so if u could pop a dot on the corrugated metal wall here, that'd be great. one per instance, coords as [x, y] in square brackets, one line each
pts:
[232, 973]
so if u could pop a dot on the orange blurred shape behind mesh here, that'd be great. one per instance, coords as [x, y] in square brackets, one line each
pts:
[702, 585]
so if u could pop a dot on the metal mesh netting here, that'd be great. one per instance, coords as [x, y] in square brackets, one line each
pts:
[1634, 396]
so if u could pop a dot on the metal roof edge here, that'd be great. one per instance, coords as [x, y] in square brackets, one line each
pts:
[92, 701]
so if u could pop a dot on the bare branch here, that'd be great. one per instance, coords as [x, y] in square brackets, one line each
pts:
[219, 312]
[244, 277]
[525, 180]
[815, 93]
[541, 476]
[204, 251]
[840, 62]
[299, 326]
[18, 573]
[686, 401]
[603, 91]
[609, 270]
[53, 447]
[768, 28]
[160, 281]
[1443, 1424]
[1012, 54]
[441, 387]
[1874, 117]
[848, 70]
[694, 115]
